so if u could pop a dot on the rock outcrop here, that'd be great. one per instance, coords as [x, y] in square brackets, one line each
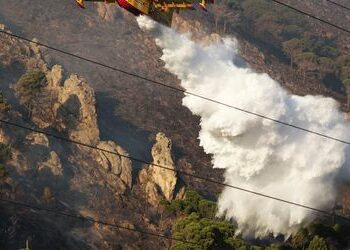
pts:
[54, 77]
[38, 139]
[53, 163]
[160, 183]
[196, 29]
[76, 109]
[106, 11]
[118, 166]
[70, 108]
[164, 178]
[3, 137]
[66, 105]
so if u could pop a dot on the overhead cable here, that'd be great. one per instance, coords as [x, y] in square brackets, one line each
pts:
[178, 89]
[80, 217]
[338, 4]
[12, 124]
[312, 16]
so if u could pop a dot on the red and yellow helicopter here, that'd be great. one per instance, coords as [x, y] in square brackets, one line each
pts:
[159, 10]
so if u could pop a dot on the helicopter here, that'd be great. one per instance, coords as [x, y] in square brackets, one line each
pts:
[159, 10]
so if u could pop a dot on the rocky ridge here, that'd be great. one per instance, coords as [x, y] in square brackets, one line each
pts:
[161, 183]
[69, 106]
[129, 34]
[94, 183]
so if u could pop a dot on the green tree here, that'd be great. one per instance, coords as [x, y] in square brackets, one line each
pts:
[292, 48]
[199, 224]
[5, 152]
[281, 30]
[325, 50]
[325, 66]
[3, 171]
[343, 61]
[346, 84]
[291, 31]
[344, 73]
[342, 230]
[207, 209]
[301, 239]
[208, 234]
[269, 27]
[318, 243]
[234, 4]
[276, 247]
[28, 87]
[3, 103]
[237, 242]
[193, 202]
[307, 62]
[5, 155]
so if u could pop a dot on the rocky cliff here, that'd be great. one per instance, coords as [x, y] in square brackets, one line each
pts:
[128, 111]
[44, 171]
[160, 181]
[68, 106]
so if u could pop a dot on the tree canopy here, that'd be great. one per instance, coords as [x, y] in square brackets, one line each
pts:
[198, 226]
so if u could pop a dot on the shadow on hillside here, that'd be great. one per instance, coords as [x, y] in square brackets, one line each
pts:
[112, 127]
[333, 83]
[42, 229]
[9, 75]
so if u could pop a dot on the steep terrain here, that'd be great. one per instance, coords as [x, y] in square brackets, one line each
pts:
[112, 111]
[132, 109]
[137, 110]
[41, 170]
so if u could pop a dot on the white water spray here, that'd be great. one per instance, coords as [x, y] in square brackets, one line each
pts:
[257, 154]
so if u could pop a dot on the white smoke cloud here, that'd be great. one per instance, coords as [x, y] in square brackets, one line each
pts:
[257, 154]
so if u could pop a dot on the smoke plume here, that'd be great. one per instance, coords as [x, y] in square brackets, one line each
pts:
[257, 154]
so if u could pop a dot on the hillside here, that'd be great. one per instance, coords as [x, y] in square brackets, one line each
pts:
[127, 115]
[38, 169]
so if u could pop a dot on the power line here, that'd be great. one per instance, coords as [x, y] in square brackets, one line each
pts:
[177, 89]
[157, 165]
[80, 217]
[188, 93]
[170, 169]
[338, 4]
[312, 16]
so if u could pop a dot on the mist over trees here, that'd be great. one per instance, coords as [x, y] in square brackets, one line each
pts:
[196, 221]
[290, 34]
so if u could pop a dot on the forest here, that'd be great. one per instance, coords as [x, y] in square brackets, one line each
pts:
[197, 222]
[293, 38]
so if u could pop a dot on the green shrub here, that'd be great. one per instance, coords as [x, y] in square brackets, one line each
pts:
[207, 209]
[174, 207]
[318, 243]
[342, 230]
[3, 171]
[320, 229]
[277, 247]
[29, 85]
[5, 152]
[301, 239]
[3, 103]
[256, 248]
[207, 233]
[233, 4]
[282, 30]
[193, 202]
[237, 243]
[197, 223]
